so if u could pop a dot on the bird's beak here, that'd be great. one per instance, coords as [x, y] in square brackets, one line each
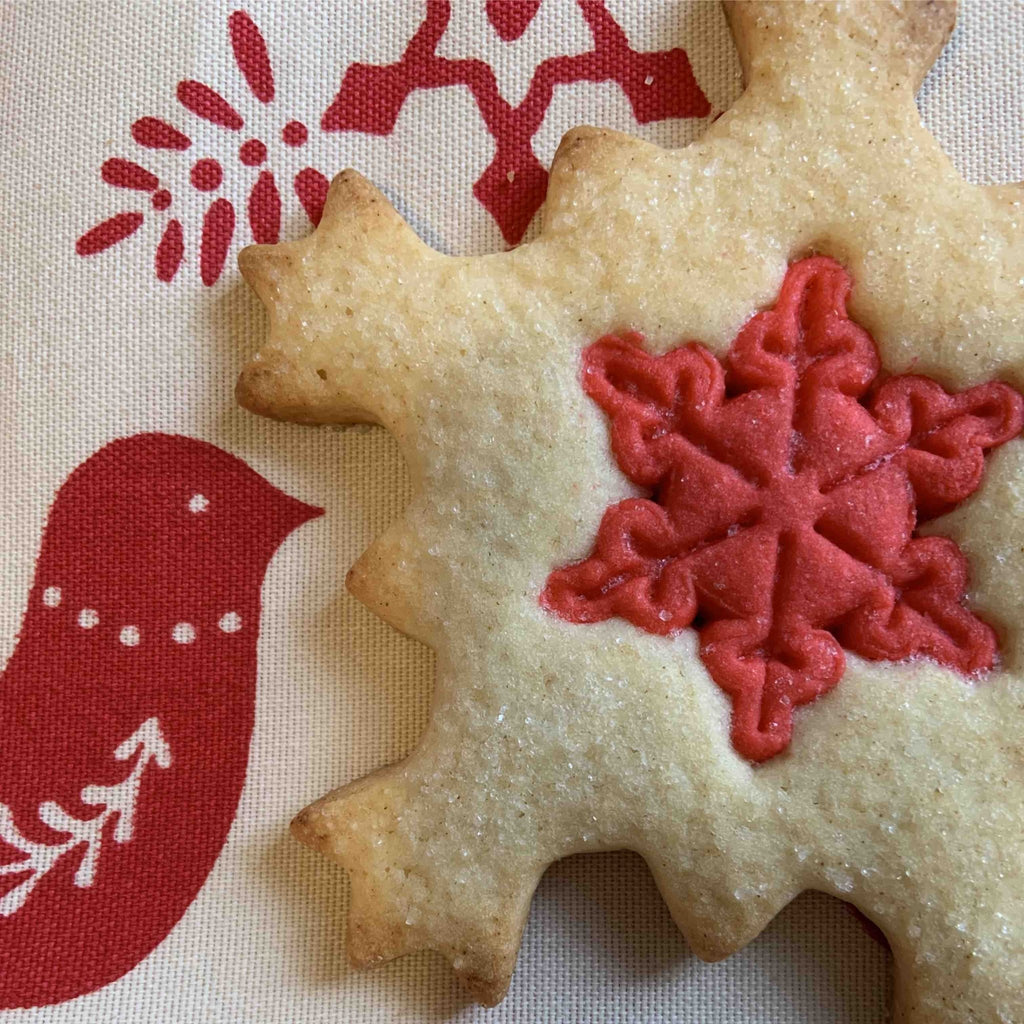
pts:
[286, 514]
[301, 513]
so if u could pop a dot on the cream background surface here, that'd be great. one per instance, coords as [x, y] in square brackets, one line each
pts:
[95, 349]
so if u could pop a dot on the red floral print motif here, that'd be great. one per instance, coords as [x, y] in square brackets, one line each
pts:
[128, 705]
[263, 209]
[126, 174]
[658, 85]
[787, 488]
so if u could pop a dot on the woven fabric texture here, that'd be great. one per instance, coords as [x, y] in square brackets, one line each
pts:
[117, 323]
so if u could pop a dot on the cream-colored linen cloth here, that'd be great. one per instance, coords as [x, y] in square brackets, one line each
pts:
[96, 347]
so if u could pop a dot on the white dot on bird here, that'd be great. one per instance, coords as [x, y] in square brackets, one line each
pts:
[198, 503]
[130, 636]
[51, 597]
[230, 622]
[88, 617]
[184, 633]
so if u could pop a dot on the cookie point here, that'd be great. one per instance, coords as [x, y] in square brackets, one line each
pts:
[354, 580]
[270, 386]
[350, 181]
[358, 217]
[302, 828]
[582, 134]
[249, 390]
[894, 43]
[487, 991]
[255, 260]
[374, 938]
[586, 140]
[350, 192]
[584, 151]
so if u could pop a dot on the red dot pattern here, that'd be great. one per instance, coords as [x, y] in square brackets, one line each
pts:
[294, 133]
[252, 153]
[206, 175]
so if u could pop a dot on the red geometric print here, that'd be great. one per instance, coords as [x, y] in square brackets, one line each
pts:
[787, 489]
[658, 85]
[511, 18]
[128, 707]
[210, 106]
[311, 188]
[125, 174]
[218, 227]
[170, 252]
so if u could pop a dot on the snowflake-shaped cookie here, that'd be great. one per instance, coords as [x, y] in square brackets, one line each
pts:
[902, 789]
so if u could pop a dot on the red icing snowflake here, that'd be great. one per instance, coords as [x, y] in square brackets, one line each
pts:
[787, 489]
[263, 208]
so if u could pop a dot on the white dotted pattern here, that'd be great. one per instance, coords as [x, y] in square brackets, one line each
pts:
[198, 503]
[88, 617]
[51, 597]
[130, 636]
[231, 622]
[184, 633]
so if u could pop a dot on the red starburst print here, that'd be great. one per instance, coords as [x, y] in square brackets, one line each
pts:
[787, 489]
[126, 174]
[658, 85]
[263, 209]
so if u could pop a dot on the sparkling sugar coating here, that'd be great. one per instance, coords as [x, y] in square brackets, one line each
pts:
[903, 790]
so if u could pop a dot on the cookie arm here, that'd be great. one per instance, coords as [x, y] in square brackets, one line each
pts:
[420, 876]
[317, 367]
[895, 42]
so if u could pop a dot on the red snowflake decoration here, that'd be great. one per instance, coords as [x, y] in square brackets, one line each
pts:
[658, 85]
[787, 489]
[263, 208]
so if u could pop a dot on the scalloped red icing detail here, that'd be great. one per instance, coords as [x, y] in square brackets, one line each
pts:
[787, 486]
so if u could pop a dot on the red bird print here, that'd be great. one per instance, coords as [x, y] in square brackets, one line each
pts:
[127, 707]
